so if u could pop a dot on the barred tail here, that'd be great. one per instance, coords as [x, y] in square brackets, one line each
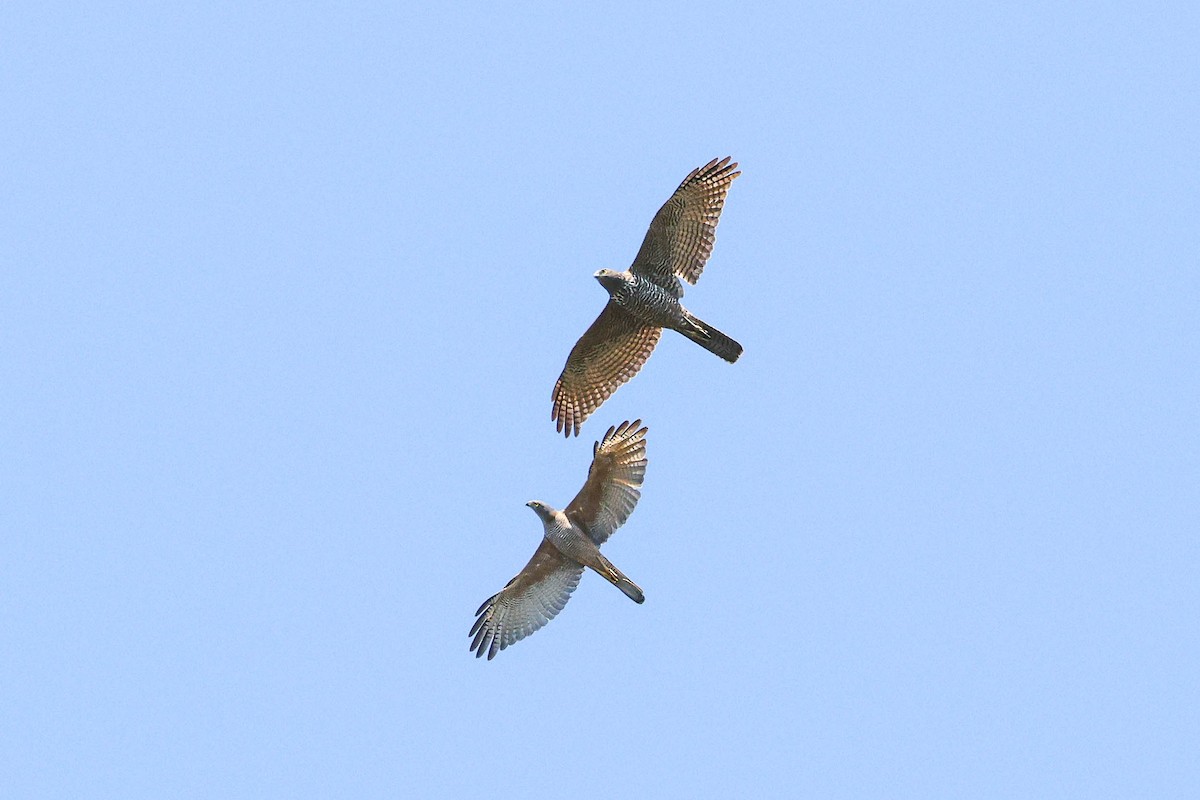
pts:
[711, 339]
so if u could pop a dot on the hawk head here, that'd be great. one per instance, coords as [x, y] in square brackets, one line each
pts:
[610, 279]
[550, 516]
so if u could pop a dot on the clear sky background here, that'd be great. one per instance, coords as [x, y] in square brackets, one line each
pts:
[285, 290]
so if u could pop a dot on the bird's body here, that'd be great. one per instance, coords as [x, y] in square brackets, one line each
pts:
[571, 541]
[576, 543]
[645, 299]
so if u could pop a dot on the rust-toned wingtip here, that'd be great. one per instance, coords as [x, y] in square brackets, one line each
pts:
[565, 422]
[628, 429]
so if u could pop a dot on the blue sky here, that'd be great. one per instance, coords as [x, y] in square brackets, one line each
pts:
[286, 290]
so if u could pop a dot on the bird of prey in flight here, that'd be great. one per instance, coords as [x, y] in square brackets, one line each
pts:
[646, 298]
[571, 542]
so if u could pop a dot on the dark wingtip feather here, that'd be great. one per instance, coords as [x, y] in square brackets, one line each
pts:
[476, 645]
[483, 606]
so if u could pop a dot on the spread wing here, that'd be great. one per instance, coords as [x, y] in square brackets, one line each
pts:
[614, 482]
[681, 236]
[609, 353]
[529, 601]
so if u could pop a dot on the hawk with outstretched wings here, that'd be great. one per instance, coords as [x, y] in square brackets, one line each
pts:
[646, 298]
[571, 541]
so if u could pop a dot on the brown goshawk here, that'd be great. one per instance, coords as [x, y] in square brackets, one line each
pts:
[646, 298]
[571, 541]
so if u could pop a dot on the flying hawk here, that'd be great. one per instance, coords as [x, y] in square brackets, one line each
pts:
[571, 542]
[646, 298]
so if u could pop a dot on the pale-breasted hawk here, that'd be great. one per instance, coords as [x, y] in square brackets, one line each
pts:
[571, 541]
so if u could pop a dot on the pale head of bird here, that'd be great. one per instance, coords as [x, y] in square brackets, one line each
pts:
[610, 279]
[541, 509]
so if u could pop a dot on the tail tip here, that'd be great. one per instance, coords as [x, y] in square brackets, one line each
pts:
[633, 592]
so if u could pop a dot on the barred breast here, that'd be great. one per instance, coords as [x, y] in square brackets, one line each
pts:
[652, 304]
